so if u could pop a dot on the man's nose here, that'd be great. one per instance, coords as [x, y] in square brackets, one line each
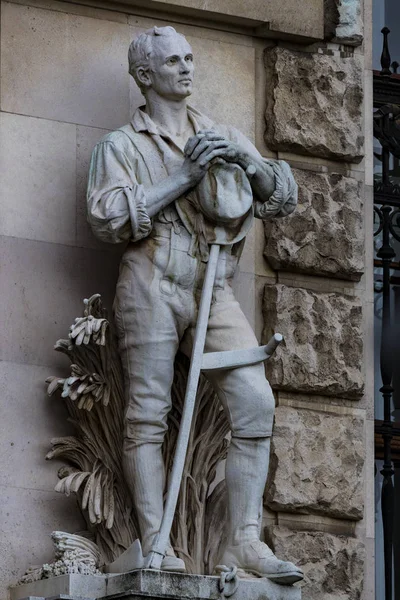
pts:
[184, 67]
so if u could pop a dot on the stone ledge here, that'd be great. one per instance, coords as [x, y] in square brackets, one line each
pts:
[148, 584]
[259, 18]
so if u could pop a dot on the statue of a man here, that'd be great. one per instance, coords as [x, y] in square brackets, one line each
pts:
[140, 185]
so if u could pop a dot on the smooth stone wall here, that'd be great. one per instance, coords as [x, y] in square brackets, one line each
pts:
[65, 84]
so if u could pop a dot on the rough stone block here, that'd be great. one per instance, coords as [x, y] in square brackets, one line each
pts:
[316, 463]
[322, 353]
[343, 21]
[314, 104]
[333, 564]
[325, 235]
[64, 67]
[37, 171]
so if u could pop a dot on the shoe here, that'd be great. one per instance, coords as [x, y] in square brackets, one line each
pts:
[257, 558]
[172, 563]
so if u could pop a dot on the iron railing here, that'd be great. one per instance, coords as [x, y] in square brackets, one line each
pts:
[387, 210]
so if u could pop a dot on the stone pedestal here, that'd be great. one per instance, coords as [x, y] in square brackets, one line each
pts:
[150, 585]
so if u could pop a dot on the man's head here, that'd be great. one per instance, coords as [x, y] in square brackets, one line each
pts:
[161, 59]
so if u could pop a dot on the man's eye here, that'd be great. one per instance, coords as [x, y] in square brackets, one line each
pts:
[189, 58]
[171, 61]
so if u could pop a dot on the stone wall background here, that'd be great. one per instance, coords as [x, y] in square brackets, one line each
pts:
[64, 84]
[318, 500]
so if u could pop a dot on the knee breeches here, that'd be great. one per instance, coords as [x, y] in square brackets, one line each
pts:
[152, 324]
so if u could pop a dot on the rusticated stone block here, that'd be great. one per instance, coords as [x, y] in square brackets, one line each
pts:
[314, 104]
[324, 236]
[343, 21]
[332, 564]
[316, 463]
[323, 341]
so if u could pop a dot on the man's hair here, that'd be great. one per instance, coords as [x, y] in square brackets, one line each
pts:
[141, 49]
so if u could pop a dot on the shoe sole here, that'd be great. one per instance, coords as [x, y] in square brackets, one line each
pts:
[283, 579]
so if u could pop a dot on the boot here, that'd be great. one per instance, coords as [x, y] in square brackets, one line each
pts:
[246, 475]
[258, 559]
[144, 473]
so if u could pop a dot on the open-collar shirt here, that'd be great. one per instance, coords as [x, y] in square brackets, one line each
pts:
[127, 162]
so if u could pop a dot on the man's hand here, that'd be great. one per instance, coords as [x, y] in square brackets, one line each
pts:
[200, 150]
[208, 146]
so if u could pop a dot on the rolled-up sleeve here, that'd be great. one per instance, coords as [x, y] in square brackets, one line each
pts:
[116, 202]
[283, 201]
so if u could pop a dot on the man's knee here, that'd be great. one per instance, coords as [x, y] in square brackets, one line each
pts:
[255, 414]
[143, 431]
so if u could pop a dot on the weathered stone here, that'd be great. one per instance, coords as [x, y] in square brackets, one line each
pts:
[323, 338]
[316, 463]
[153, 584]
[343, 21]
[324, 236]
[331, 18]
[306, 89]
[332, 564]
[350, 27]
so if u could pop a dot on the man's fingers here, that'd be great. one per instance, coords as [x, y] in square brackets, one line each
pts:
[210, 134]
[208, 146]
[192, 143]
[206, 157]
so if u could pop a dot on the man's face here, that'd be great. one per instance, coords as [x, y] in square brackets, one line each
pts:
[171, 67]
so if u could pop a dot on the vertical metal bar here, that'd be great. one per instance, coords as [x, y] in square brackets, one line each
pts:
[385, 56]
[387, 253]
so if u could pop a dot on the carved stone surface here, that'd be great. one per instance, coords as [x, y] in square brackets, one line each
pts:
[314, 104]
[323, 339]
[333, 564]
[316, 463]
[324, 236]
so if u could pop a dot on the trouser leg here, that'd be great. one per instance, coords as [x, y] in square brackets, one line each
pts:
[148, 332]
[144, 473]
[246, 475]
[249, 405]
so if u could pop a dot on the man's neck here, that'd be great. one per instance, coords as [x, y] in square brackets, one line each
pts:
[170, 115]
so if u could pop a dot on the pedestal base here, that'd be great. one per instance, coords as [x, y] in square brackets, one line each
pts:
[148, 584]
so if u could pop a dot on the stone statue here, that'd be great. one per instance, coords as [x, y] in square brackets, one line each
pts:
[171, 183]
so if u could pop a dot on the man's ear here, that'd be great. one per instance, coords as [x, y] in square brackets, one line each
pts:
[143, 76]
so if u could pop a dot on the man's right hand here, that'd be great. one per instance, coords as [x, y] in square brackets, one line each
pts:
[200, 150]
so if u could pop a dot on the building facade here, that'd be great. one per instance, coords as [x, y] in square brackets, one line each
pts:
[294, 77]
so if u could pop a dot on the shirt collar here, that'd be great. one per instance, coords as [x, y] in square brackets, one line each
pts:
[142, 122]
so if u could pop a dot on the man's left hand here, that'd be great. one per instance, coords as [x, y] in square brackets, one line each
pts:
[232, 152]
